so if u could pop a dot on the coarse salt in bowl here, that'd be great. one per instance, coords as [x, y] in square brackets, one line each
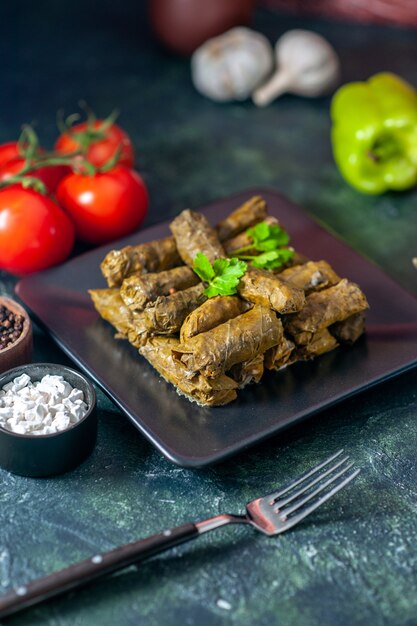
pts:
[48, 420]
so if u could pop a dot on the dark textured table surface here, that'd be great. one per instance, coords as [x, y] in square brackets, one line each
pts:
[355, 561]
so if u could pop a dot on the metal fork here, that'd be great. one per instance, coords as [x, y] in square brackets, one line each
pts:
[273, 514]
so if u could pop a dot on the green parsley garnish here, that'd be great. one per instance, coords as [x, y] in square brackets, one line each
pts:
[271, 241]
[273, 259]
[267, 237]
[222, 277]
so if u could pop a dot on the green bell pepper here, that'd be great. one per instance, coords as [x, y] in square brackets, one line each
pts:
[374, 133]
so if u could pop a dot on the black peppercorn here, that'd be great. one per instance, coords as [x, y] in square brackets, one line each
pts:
[11, 327]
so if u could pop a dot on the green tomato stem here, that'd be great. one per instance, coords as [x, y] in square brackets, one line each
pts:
[27, 182]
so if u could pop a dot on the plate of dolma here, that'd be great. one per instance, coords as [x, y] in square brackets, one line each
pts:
[290, 343]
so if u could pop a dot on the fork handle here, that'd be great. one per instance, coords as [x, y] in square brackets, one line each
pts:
[99, 565]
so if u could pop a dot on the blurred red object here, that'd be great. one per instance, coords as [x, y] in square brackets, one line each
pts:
[383, 11]
[183, 25]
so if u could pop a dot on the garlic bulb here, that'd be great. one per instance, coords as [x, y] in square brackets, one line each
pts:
[230, 66]
[307, 65]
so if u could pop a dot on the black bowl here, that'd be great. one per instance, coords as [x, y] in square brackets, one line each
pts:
[47, 455]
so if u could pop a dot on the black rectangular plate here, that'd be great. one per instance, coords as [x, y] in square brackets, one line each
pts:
[193, 436]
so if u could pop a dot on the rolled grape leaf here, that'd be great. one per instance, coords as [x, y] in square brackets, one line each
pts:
[324, 308]
[166, 315]
[111, 308]
[153, 256]
[250, 213]
[207, 392]
[267, 289]
[280, 355]
[211, 313]
[194, 234]
[239, 339]
[248, 372]
[138, 291]
[312, 276]
[321, 342]
[350, 329]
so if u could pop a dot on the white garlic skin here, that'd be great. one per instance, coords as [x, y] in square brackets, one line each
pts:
[310, 58]
[232, 65]
[307, 65]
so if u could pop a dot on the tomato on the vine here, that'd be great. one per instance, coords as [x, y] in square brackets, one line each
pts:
[99, 140]
[106, 205]
[50, 175]
[8, 152]
[35, 233]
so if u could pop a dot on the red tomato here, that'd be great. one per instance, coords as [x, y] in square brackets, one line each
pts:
[35, 233]
[104, 206]
[102, 143]
[51, 176]
[8, 152]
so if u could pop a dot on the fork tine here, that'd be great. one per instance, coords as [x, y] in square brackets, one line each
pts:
[278, 504]
[299, 503]
[273, 496]
[292, 521]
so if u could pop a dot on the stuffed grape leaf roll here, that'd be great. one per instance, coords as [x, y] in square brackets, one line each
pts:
[350, 329]
[111, 308]
[205, 391]
[280, 355]
[311, 276]
[323, 308]
[166, 315]
[211, 313]
[138, 291]
[194, 234]
[267, 289]
[251, 212]
[322, 341]
[248, 372]
[239, 339]
[153, 256]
